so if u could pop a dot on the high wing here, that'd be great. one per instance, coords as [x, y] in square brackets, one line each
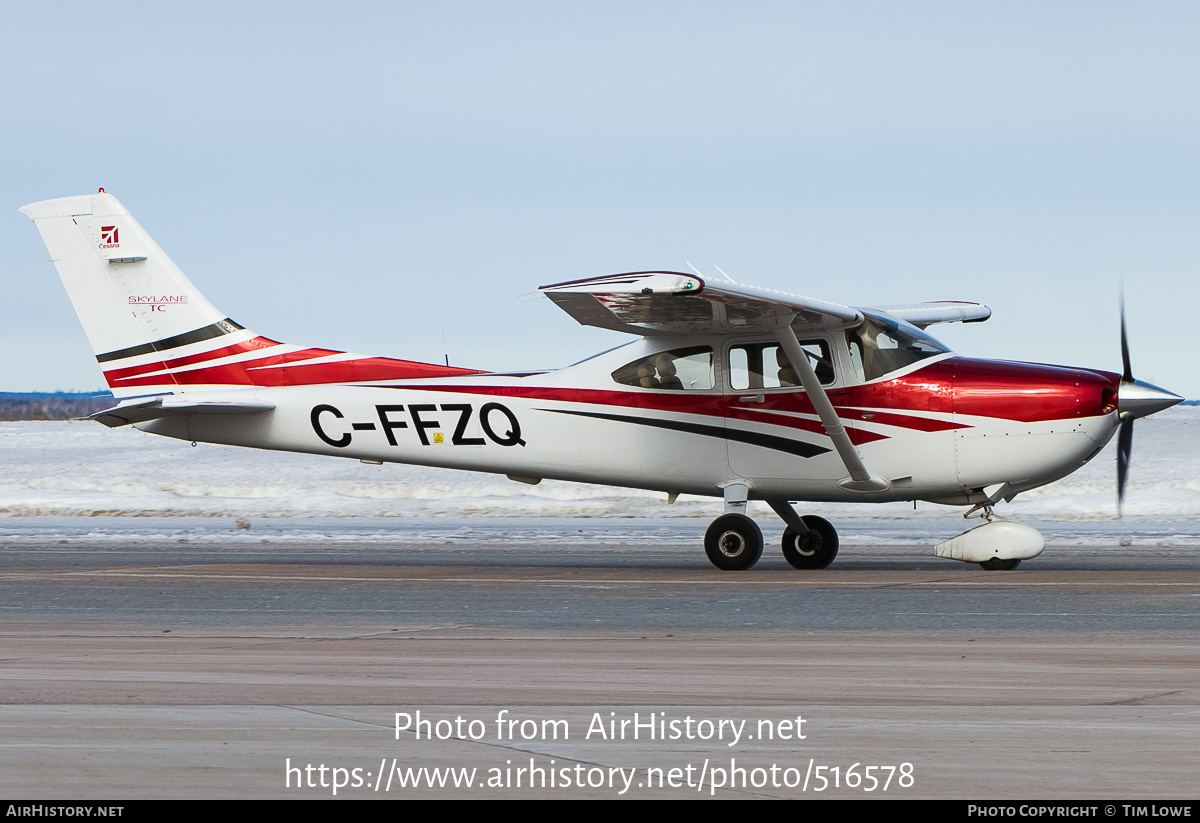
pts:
[923, 315]
[670, 302]
[648, 302]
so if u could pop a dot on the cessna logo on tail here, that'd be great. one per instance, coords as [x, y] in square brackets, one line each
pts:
[108, 237]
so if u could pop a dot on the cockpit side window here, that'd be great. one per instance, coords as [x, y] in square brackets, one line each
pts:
[766, 365]
[689, 369]
[881, 346]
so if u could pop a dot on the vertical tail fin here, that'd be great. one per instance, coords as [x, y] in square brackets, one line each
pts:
[152, 331]
[129, 295]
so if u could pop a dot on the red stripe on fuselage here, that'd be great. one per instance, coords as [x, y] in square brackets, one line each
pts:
[260, 344]
[707, 405]
[346, 371]
[274, 371]
[904, 421]
[1002, 390]
[960, 386]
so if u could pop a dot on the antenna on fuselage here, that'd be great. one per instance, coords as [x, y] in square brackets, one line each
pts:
[445, 348]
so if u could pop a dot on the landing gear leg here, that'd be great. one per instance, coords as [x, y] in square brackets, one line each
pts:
[809, 542]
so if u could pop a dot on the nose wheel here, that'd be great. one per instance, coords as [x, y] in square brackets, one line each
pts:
[814, 549]
[998, 565]
[733, 542]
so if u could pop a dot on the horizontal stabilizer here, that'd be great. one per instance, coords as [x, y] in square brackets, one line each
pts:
[139, 411]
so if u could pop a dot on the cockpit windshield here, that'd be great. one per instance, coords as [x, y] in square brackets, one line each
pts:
[882, 345]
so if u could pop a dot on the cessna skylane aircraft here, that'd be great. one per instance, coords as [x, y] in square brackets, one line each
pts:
[728, 391]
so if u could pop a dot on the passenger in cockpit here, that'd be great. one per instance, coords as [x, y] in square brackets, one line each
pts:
[667, 378]
[787, 375]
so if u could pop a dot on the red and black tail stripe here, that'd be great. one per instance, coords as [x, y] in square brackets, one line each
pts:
[226, 326]
[268, 363]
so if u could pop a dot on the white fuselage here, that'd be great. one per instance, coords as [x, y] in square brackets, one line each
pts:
[579, 424]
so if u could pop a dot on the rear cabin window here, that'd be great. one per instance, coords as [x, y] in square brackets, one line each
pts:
[689, 369]
[766, 365]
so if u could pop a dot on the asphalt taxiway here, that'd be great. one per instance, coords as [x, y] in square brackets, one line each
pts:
[161, 668]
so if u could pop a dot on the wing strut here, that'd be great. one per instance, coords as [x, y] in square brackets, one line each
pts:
[860, 480]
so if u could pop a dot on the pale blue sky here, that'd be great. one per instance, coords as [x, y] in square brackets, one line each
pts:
[364, 175]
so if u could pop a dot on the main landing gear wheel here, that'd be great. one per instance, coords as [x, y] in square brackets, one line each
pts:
[814, 550]
[733, 542]
[998, 565]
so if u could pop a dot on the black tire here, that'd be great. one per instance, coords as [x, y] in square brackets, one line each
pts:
[814, 550]
[733, 542]
[998, 565]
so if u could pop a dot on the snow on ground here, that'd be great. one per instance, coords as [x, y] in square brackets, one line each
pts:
[78, 469]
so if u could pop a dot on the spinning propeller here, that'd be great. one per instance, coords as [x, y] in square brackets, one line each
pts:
[1134, 399]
